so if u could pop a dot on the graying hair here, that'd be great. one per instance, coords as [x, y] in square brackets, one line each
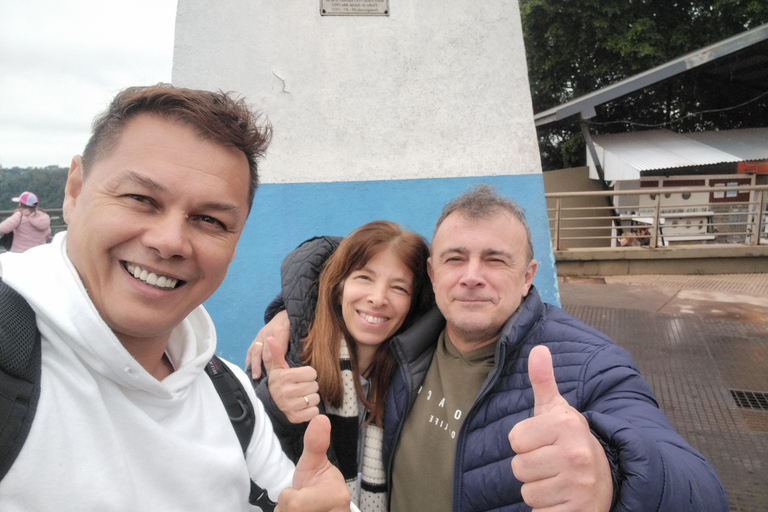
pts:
[484, 202]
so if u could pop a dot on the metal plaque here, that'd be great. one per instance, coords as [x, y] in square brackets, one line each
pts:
[354, 7]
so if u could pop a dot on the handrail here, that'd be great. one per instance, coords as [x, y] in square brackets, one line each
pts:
[719, 222]
[50, 211]
[662, 190]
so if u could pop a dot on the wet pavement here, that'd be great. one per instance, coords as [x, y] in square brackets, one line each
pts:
[702, 343]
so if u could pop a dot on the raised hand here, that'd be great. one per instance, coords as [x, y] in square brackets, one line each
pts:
[294, 390]
[559, 461]
[279, 328]
[317, 484]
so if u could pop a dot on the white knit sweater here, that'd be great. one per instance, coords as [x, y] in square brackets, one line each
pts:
[109, 436]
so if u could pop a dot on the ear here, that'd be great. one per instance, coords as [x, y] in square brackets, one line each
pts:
[73, 187]
[530, 272]
[430, 271]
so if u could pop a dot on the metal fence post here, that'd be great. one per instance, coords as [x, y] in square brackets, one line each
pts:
[557, 224]
[760, 213]
[656, 230]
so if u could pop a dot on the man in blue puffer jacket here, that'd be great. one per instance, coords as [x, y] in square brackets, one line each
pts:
[494, 378]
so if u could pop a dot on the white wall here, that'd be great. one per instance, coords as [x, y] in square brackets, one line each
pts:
[436, 89]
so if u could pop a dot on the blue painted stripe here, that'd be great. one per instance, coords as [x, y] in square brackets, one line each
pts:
[284, 215]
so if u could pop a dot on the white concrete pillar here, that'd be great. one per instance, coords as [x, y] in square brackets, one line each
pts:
[375, 117]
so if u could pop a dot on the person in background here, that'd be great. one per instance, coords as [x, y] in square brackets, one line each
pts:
[640, 237]
[643, 236]
[373, 286]
[31, 226]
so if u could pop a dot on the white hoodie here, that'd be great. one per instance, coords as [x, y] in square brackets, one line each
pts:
[109, 436]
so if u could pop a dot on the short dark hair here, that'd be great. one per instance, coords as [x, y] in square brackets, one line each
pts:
[483, 202]
[219, 117]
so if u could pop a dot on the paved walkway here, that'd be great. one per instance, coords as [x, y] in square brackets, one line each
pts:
[702, 343]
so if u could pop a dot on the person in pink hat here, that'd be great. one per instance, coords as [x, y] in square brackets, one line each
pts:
[31, 226]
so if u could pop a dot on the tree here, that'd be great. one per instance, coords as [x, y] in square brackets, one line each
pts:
[47, 183]
[574, 48]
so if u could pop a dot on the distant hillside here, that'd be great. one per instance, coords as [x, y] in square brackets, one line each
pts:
[47, 183]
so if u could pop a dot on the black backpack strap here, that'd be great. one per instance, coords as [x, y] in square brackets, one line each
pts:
[20, 365]
[235, 400]
[241, 414]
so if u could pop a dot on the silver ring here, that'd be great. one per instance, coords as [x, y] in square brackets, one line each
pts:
[306, 400]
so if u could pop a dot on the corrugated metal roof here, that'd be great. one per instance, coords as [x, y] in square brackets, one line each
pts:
[747, 144]
[624, 156]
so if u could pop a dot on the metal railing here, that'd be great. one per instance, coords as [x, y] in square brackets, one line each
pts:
[576, 224]
[577, 221]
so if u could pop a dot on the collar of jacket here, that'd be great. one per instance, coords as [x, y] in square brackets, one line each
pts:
[516, 328]
[423, 334]
[420, 337]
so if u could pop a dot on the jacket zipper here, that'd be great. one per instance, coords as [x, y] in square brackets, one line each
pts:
[458, 456]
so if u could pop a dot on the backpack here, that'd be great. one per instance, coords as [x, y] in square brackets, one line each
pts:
[6, 241]
[20, 369]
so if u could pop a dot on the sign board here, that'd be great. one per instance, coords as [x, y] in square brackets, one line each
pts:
[354, 7]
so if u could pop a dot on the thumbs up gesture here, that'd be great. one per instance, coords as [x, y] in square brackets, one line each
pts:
[280, 328]
[294, 390]
[317, 484]
[559, 461]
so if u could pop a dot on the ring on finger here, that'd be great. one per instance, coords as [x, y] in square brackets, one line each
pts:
[260, 344]
[306, 400]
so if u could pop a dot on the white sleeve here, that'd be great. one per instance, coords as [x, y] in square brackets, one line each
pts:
[270, 468]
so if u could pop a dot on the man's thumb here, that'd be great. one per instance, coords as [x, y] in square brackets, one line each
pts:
[542, 375]
[314, 458]
[274, 355]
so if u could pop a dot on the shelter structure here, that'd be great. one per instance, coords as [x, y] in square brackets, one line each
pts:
[742, 58]
[663, 158]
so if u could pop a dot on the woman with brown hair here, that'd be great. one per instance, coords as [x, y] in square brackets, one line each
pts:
[372, 287]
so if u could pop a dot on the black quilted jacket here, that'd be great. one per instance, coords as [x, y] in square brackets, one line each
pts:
[299, 275]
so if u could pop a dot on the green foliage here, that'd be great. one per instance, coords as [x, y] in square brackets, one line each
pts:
[574, 48]
[47, 183]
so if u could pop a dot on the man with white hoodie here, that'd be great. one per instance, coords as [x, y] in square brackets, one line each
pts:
[127, 419]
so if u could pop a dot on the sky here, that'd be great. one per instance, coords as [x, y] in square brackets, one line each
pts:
[62, 61]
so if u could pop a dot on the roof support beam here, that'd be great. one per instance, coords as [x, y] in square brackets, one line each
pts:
[593, 153]
[585, 105]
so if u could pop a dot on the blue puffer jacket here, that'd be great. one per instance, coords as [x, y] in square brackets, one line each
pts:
[654, 468]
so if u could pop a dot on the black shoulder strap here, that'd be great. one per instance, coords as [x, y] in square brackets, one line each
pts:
[19, 374]
[235, 400]
[241, 414]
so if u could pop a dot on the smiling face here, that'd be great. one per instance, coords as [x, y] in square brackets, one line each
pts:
[154, 225]
[480, 273]
[375, 300]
